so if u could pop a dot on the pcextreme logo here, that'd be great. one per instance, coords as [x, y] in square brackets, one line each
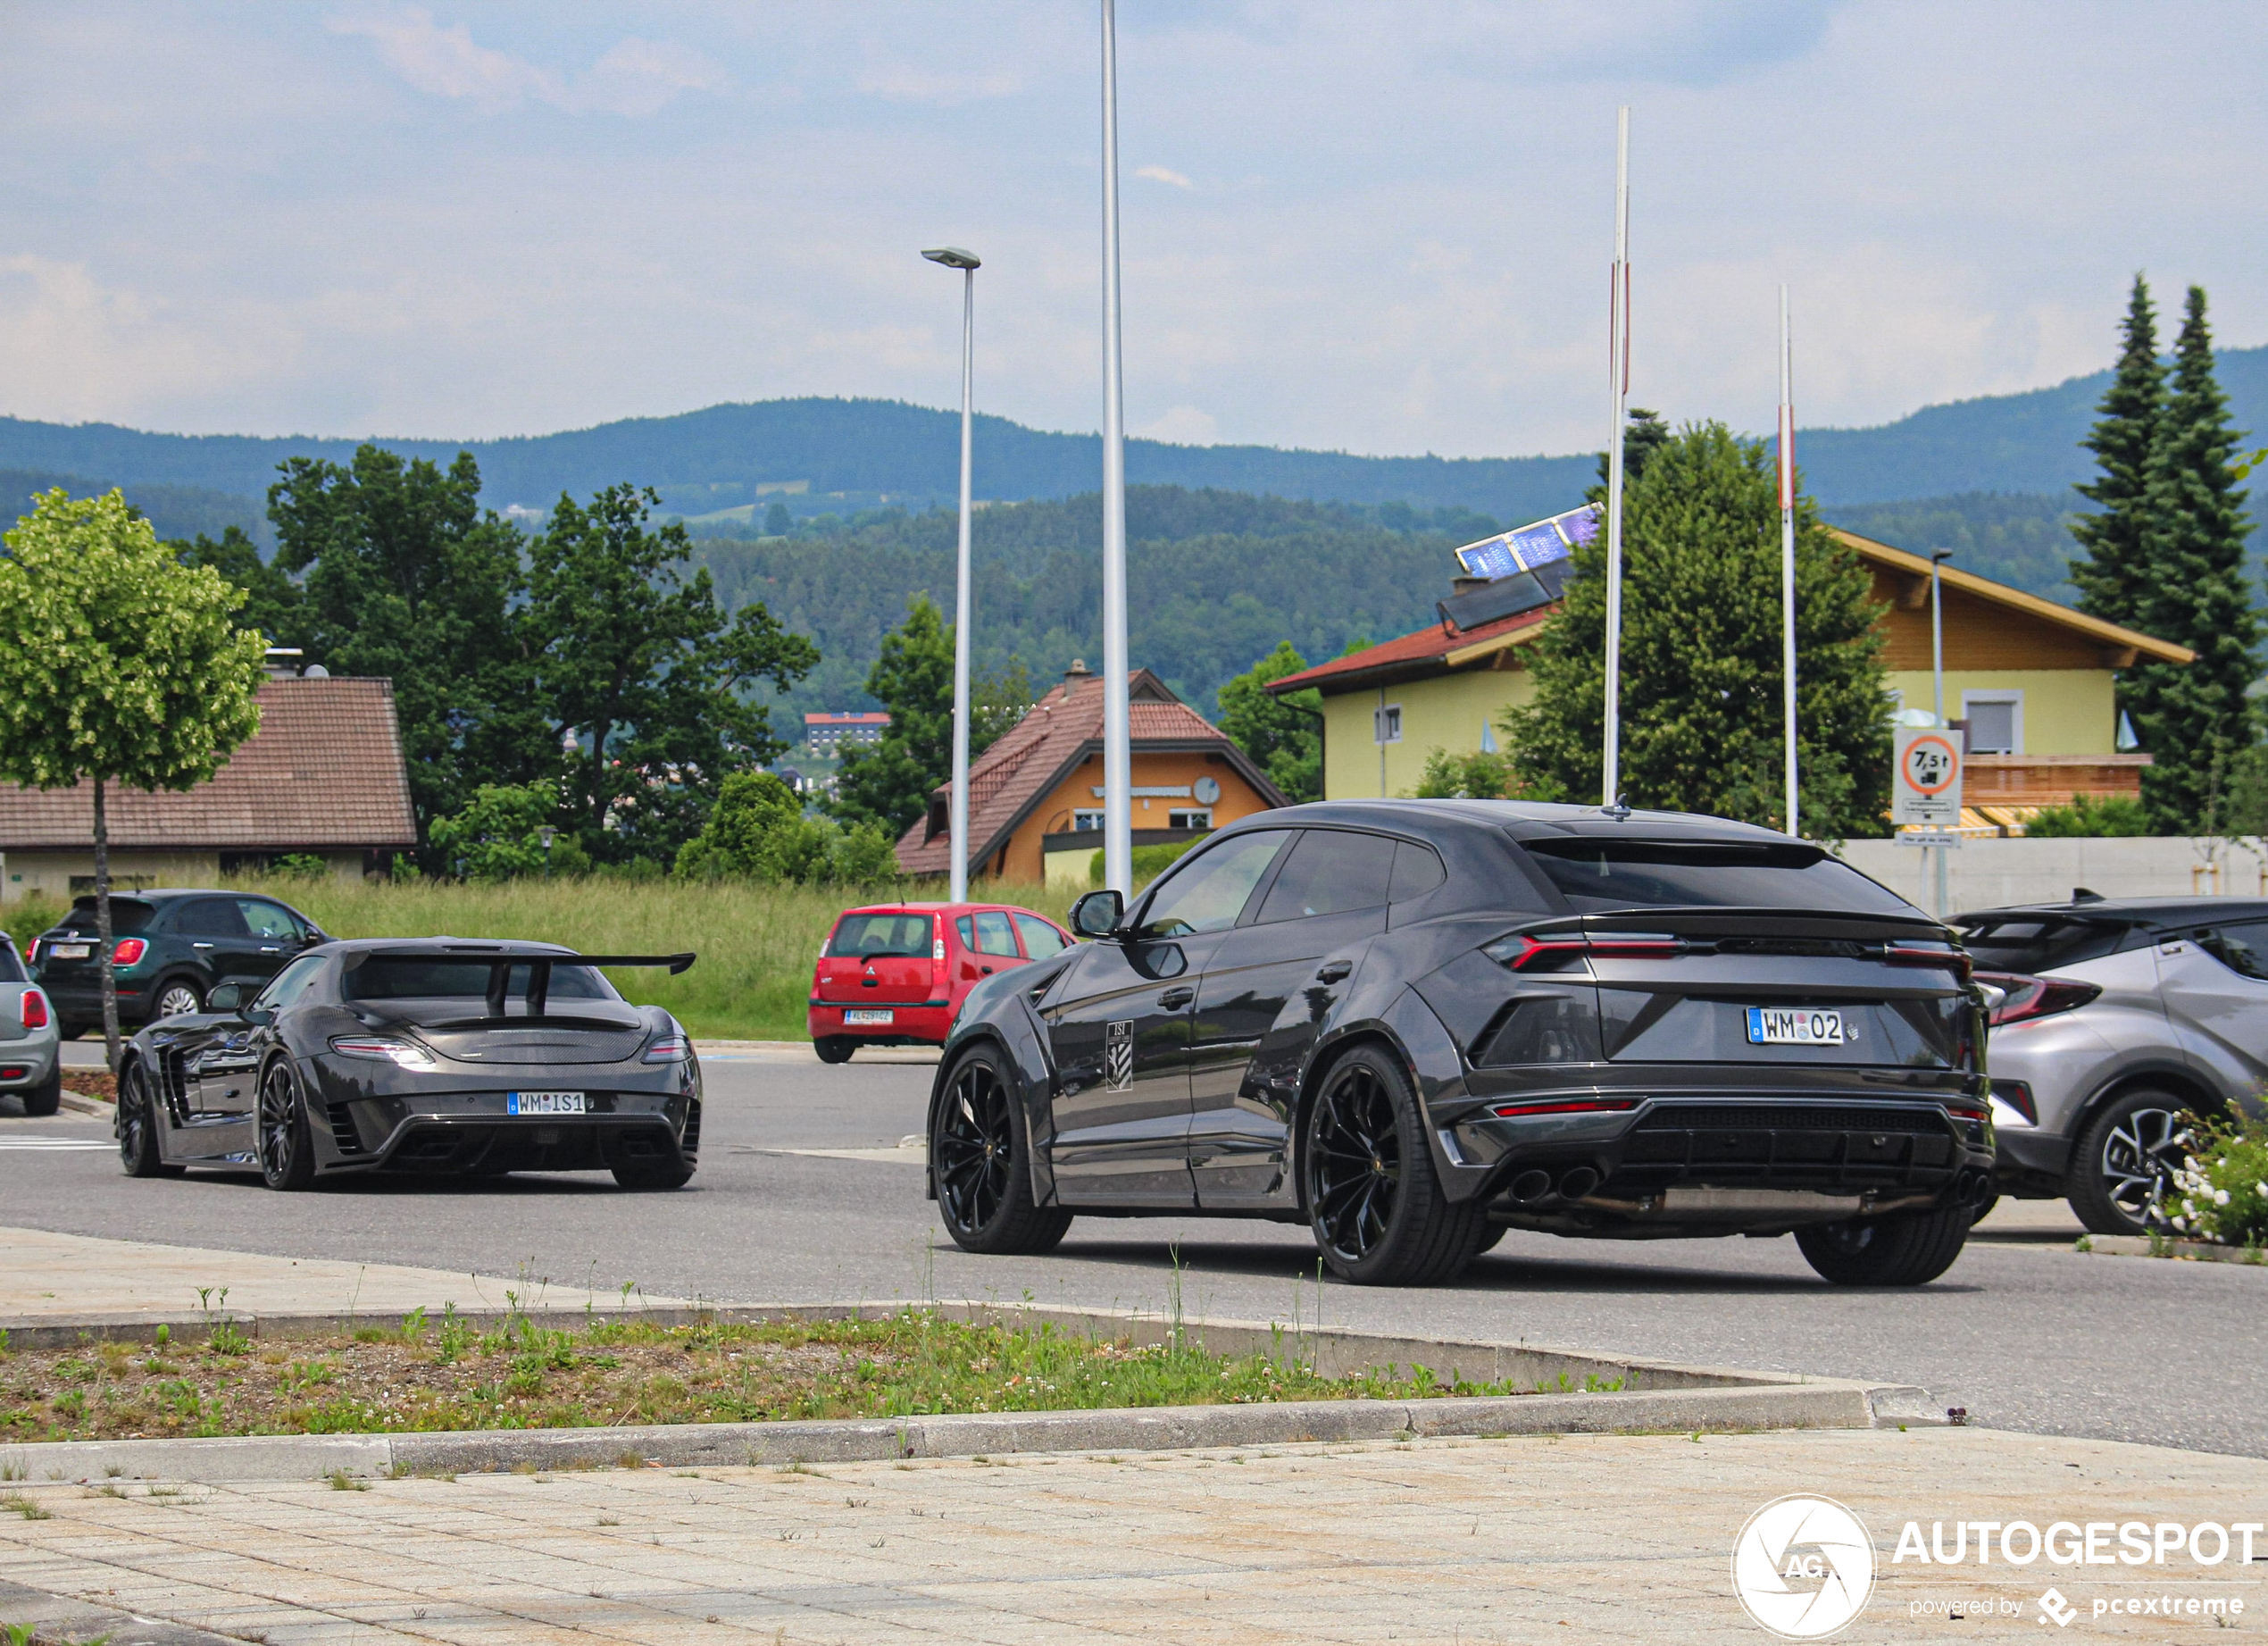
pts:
[1803, 1566]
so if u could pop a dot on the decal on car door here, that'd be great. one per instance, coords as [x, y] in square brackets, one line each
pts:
[1118, 1056]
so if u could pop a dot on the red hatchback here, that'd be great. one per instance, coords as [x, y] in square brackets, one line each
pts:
[896, 974]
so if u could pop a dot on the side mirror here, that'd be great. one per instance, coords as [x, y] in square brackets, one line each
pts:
[225, 998]
[1097, 914]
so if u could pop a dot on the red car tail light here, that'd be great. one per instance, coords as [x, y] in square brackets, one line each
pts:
[34, 1009]
[1525, 951]
[128, 951]
[1562, 1106]
[1923, 951]
[2029, 998]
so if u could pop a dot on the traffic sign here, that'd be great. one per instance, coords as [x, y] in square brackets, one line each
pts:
[1925, 788]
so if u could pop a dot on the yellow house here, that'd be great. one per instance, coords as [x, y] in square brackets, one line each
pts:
[2033, 679]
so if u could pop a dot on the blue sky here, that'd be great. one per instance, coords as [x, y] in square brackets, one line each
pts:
[1378, 227]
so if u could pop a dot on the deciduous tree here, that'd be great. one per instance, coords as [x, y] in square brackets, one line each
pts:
[889, 784]
[1282, 733]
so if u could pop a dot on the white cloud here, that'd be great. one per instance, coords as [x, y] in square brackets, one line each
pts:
[1160, 174]
[1184, 425]
[633, 77]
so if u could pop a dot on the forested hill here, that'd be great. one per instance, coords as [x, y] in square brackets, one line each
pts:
[804, 452]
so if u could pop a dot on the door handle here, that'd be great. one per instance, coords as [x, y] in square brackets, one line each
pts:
[1334, 971]
[986, 970]
[1174, 1000]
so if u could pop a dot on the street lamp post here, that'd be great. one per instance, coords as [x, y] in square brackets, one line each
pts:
[1936, 681]
[954, 257]
[1118, 754]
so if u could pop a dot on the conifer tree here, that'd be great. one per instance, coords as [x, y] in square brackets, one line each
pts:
[1701, 662]
[2112, 575]
[2194, 719]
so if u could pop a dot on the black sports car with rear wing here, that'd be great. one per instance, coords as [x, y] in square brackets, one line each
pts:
[1415, 1024]
[422, 1054]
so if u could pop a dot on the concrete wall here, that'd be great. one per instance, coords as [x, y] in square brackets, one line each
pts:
[1988, 873]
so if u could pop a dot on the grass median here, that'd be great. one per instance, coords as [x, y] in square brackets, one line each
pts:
[435, 1373]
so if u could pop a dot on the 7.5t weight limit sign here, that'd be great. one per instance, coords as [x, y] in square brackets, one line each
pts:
[1926, 788]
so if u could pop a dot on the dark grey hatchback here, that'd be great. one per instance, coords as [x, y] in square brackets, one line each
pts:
[1415, 1024]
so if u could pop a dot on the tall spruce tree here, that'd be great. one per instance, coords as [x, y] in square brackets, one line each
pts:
[2195, 720]
[1701, 662]
[2112, 575]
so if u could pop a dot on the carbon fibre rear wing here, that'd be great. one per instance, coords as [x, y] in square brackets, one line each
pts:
[500, 965]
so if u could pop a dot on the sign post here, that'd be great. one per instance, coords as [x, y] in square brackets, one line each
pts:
[1925, 792]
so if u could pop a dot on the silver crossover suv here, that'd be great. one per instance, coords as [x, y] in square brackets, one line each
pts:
[2121, 1018]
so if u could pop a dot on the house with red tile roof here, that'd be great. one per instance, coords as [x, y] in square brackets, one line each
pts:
[2032, 680]
[1035, 796]
[323, 777]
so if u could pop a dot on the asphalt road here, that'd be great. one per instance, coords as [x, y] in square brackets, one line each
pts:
[2031, 1338]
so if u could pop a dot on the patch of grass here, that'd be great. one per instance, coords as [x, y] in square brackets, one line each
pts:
[624, 1371]
[341, 1480]
[16, 1503]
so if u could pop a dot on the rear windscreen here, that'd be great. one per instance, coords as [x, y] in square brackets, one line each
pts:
[2037, 943]
[128, 918]
[411, 977]
[1595, 874]
[868, 937]
[11, 963]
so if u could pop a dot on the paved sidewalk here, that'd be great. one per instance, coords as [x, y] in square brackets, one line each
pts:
[76, 1277]
[1474, 1540]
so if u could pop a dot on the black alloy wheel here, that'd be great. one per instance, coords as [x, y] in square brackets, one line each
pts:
[284, 1143]
[2123, 1165]
[1373, 1199]
[982, 1173]
[137, 1127]
[177, 998]
[1905, 1248]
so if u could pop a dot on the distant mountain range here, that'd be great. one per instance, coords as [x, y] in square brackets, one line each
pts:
[1943, 464]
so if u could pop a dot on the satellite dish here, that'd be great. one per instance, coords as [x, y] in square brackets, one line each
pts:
[314, 671]
[1208, 790]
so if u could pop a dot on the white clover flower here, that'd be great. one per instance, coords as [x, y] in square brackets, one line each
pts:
[2221, 1197]
[2264, 1190]
[2178, 1223]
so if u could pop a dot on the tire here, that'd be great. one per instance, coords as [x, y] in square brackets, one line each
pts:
[47, 1097]
[1906, 1249]
[980, 1160]
[1485, 1236]
[71, 1028]
[1374, 1200]
[2123, 1165]
[653, 1176]
[137, 1127]
[835, 1048]
[176, 997]
[282, 1138]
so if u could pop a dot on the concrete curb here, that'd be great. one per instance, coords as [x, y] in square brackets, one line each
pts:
[2194, 1251]
[73, 1104]
[1643, 1396]
[55, 1619]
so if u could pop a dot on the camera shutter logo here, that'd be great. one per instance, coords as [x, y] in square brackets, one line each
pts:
[1118, 1057]
[1803, 1566]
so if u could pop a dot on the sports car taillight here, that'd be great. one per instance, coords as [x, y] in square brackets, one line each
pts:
[2028, 998]
[1562, 1106]
[128, 951]
[669, 1049]
[34, 1006]
[1525, 951]
[400, 1052]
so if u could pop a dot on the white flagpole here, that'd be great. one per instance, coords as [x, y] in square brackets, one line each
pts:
[1618, 366]
[1787, 552]
[1118, 762]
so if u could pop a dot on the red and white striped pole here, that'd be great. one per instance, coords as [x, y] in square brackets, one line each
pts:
[1787, 553]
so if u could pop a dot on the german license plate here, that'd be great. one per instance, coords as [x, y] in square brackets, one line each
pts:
[868, 1017]
[70, 951]
[1773, 1025]
[545, 1103]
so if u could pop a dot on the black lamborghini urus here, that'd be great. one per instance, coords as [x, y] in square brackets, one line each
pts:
[1413, 1025]
[428, 1055]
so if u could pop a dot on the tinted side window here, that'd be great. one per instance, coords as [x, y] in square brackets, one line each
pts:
[1329, 872]
[2243, 948]
[1206, 892]
[1040, 939]
[211, 917]
[262, 918]
[292, 981]
[993, 935]
[1417, 870]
